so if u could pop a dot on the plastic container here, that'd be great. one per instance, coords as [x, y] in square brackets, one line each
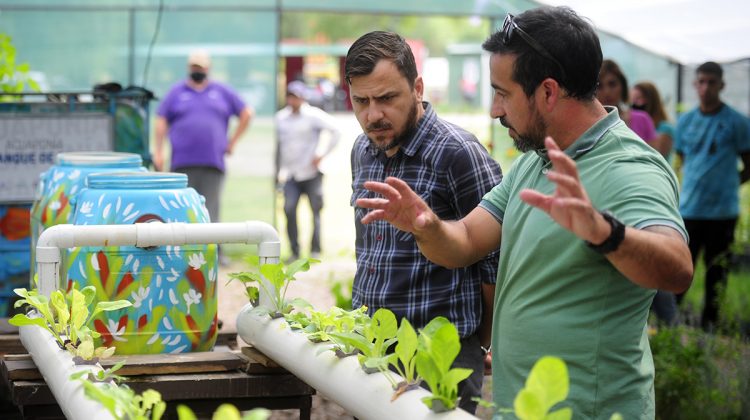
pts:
[15, 260]
[173, 289]
[60, 184]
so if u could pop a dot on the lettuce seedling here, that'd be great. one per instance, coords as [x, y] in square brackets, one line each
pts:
[373, 341]
[225, 412]
[546, 385]
[323, 325]
[437, 348]
[404, 359]
[279, 277]
[66, 317]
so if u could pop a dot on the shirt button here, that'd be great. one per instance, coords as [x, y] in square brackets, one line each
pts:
[379, 237]
[544, 171]
[372, 270]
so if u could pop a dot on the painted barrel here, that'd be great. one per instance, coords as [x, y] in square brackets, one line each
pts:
[173, 288]
[15, 260]
[59, 185]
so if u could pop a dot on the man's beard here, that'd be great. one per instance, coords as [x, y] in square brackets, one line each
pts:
[409, 127]
[533, 139]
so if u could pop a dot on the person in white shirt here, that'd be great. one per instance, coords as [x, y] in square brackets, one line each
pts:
[298, 155]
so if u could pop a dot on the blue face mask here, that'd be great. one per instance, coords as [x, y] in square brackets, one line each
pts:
[198, 76]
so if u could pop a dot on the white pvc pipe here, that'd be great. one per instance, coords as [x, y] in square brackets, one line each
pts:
[56, 366]
[365, 396]
[50, 242]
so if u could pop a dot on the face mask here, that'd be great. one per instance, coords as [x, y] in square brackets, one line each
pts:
[198, 76]
[638, 107]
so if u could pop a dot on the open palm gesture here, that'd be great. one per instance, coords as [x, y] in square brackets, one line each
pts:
[569, 205]
[399, 205]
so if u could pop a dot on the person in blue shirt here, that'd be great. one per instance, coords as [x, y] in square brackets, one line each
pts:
[709, 140]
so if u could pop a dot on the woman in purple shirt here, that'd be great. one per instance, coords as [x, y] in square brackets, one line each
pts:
[613, 91]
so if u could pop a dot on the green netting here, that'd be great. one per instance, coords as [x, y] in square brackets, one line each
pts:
[75, 44]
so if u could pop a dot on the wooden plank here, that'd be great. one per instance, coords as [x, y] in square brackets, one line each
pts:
[31, 393]
[221, 385]
[227, 338]
[147, 364]
[23, 356]
[11, 344]
[256, 356]
[13, 370]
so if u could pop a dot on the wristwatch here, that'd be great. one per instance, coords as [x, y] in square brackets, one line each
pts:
[615, 237]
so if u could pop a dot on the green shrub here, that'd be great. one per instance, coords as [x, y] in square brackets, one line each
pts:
[700, 376]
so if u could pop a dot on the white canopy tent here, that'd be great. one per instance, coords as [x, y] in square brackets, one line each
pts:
[687, 31]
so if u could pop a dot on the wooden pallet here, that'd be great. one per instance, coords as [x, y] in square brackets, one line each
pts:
[202, 380]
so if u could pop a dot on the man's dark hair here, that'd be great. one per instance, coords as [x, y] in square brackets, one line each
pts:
[372, 47]
[610, 67]
[710, 67]
[571, 40]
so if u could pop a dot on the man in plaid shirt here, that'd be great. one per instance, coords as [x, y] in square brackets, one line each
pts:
[448, 168]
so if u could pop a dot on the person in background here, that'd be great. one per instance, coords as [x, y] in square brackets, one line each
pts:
[613, 91]
[645, 97]
[709, 141]
[587, 218]
[195, 116]
[404, 137]
[298, 156]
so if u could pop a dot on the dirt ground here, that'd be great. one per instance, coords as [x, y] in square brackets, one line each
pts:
[314, 286]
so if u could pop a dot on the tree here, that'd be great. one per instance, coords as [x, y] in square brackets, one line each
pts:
[13, 77]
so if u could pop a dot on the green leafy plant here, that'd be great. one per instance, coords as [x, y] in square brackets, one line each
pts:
[437, 348]
[373, 341]
[700, 375]
[67, 318]
[404, 359]
[342, 293]
[225, 412]
[119, 399]
[13, 77]
[546, 386]
[104, 375]
[122, 402]
[323, 325]
[297, 320]
[278, 276]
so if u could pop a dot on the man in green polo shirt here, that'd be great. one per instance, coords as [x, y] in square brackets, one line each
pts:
[587, 216]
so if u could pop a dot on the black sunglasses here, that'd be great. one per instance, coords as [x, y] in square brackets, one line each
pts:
[510, 27]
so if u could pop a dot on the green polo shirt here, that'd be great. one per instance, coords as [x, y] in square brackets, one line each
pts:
[555, 296]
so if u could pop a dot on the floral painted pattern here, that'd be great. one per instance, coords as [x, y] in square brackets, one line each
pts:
[173, 288]
[58, 188]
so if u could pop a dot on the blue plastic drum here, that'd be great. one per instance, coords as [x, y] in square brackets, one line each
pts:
[60, 184]
[173, 288]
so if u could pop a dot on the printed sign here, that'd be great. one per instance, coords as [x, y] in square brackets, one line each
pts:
[30, 143]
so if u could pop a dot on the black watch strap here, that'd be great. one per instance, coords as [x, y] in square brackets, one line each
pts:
[615, 237]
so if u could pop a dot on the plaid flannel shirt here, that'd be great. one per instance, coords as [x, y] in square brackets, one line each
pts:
[451, 171]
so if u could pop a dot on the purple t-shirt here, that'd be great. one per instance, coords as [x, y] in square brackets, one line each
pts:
[198, 123]
[642, 124]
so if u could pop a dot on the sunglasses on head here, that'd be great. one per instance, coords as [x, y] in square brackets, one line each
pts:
[510, 27]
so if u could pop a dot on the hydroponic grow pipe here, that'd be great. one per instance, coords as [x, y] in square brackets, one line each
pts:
[366, 396]
[55, 364]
